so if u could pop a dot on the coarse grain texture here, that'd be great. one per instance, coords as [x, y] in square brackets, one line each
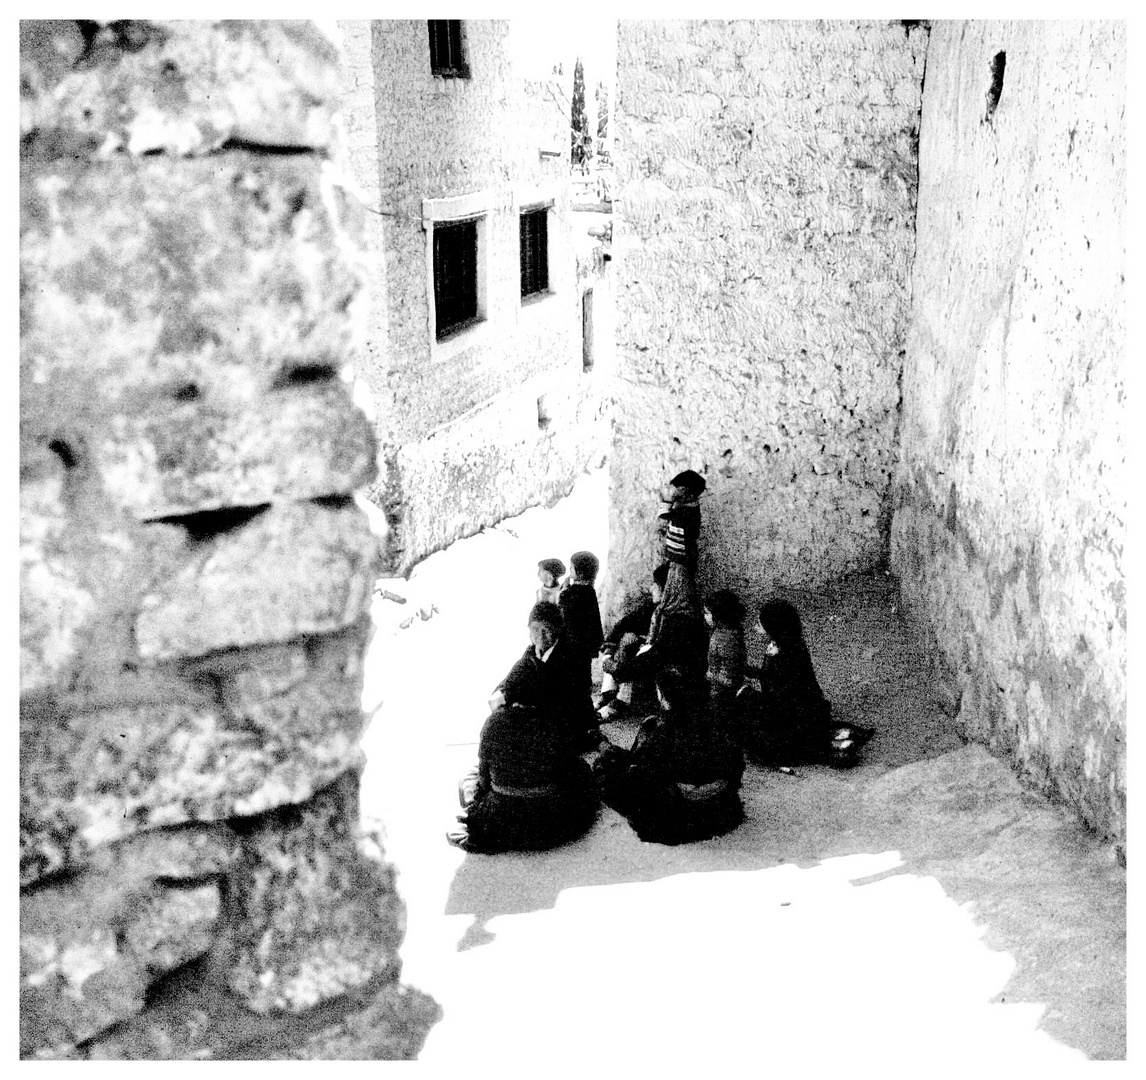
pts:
[1010, 498]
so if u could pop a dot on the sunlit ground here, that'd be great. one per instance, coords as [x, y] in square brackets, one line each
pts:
[790, 944]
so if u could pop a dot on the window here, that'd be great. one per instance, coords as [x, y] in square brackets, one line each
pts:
[455, 276]
[447, 56]
[534, 251]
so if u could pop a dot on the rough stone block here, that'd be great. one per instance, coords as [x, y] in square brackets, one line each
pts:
[295, 443]
[180, 86]
[317, 914]
[144, 283]
[91, 945]
[271, 727]
[291, 570]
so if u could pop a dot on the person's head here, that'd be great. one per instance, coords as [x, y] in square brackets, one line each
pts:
[660, 576]
[585, 566]
[723, 608]
[550, 572]
[686, 486]
[780, 623]
[545, 625]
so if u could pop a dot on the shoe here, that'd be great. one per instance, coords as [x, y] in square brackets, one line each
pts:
[458, 838]
[616, 710]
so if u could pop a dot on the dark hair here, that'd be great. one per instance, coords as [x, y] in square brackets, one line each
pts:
[545, 611]
[660, 574]
[585, 565]
[781, 621]
[689, 481]
[726, 608]
[553, 566]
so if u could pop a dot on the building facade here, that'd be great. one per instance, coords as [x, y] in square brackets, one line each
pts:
[486, 396]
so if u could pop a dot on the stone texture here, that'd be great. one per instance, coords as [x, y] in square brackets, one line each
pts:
[1010, 504]
[238, 734]
[318, 912]
[767, 193]
[291, 570]
[297, 442]
[178, 86]
[218, 280]
[90, 946]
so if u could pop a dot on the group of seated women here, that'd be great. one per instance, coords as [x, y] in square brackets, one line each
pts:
[679, 781]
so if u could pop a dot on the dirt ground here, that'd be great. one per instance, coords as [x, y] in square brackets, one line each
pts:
[919, 911]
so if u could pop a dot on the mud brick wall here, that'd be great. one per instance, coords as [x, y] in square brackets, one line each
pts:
[766, 204]
[481, 428]
[1010, 496]
[195, 570]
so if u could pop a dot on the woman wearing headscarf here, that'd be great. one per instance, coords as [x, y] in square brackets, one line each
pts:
[789, 721]
[531, 790]
[680, 781]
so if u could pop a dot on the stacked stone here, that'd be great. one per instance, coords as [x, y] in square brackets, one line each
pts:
[195, 571]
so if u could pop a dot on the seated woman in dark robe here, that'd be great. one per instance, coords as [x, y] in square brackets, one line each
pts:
[531, 790]
[680, 782]
[789, 720]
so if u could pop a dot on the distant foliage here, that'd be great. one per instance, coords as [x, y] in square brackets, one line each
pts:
[602, 118]
[581, 137]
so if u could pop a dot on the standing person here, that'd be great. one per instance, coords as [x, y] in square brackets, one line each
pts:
[531, 789]
[789, 721]
[727, 654]
[680, 522]
[582, 615]
[549, 573]
[680, 782]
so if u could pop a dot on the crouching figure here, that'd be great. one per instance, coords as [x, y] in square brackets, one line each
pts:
[531, 789]
[680, 781]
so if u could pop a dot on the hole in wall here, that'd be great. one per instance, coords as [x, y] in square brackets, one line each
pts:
[206, 525]
[543, 417]
[334, 502]
[995, 90]
[187, 392]
[64, 452]
[304, 375]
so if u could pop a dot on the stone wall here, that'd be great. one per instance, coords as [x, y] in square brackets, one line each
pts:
[1010, 504]
[195, 572]
[501, 418]
[767, 177]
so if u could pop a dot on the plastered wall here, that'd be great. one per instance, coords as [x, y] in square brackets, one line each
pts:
[481, 427]
[1010, 496]
[195, 571]
[766, 226]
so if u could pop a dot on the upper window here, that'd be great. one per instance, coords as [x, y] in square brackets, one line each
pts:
[455, 276]
[447, 52]
[534, 251]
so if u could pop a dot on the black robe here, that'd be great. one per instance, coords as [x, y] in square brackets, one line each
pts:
[678, 784]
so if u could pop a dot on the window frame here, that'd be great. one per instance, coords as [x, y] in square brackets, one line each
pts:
[454, 210]
[455, 41]
[542, 210]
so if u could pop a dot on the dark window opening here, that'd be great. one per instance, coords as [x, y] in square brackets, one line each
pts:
[587, 330]
[455, 276]
[447, 55]
[534, 252]
[998, 67]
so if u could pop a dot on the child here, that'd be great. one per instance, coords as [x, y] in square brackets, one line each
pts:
[549, 573]
[629, 633]
[680, 523]
[727, 653]
[579, 606]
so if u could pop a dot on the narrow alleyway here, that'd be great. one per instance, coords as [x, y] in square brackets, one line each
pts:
[920, 909]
